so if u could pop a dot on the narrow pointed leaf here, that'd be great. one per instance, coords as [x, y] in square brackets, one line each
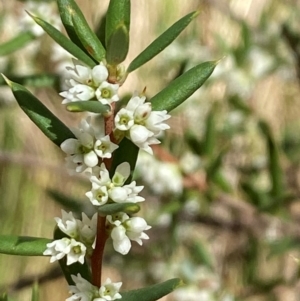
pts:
[87, 37]
[48, 123]
[66, 201]
[16, 43]
[35, 80]
[109, 209]
[127, 152]
[66, 8]
[117, 31]
[118, 45]
[64, 42]
[23, 245]
[88, 106]
[182, 87]
[152, 293]
[75, 268]
[162, 41]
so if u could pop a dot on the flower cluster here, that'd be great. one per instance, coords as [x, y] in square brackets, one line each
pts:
[140, 124]
[89, 84]
[80, 238]
[85, 291]
[89, 146]
[105, 189]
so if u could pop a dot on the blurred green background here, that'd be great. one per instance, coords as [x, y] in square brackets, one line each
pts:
[222, 193]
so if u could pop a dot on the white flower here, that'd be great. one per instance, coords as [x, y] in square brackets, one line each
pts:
[124, 120]
[142, 138]
[154, 122]
[83, 230]
[105, 189]
[78, 93]
[126, 229]
[99, 74]
[74, 250]
[110, 291]
[85, 83]
[141, 124]
[104, 147]
[84, 150]
[98, 195]
[106, 93]
[85, 291]
[58, 249]
[87, 229]
[67, 224]
[77, 252]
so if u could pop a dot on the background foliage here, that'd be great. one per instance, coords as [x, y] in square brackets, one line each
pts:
[226, 221]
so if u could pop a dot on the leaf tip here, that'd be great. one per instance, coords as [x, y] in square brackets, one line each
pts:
[9, 83]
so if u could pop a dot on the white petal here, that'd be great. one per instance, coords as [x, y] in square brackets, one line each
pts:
[90, 159]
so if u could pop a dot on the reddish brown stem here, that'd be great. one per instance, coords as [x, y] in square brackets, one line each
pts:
[97, 256]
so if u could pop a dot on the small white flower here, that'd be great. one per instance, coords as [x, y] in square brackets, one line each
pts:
[110, 291]
[74, 250]
[67, 224]
[85, 150]
[87, 229]
[85, 291]
[124, 120]
[126, 229]
[107, 93]
[77, 252]
[104, 147]
[58, 249]
[99, 74]
[142, 138]
[105, 189]
[154, 122]
[121, 242]
[78, 93]
[134, 229]
[98, 195]
[80, 73]
[141, 124]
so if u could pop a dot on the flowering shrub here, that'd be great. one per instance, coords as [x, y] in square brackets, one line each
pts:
[104, 148]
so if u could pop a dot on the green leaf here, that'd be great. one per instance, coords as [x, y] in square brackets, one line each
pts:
[35, 292]
[182, 87]
[152, 293]
[162, 42]
[75, 268]
[66, 8]
[117, 31]
[109, 209]
[126, 152]
[66, 201]
[64, 42]
[23, 245]
[16, 43]
[35, 80]
[87, 37]
[48, 123]
[117, 47]
[88, 106]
